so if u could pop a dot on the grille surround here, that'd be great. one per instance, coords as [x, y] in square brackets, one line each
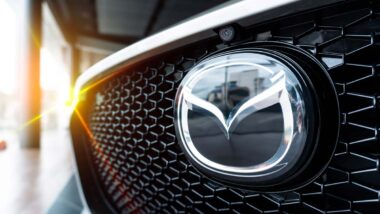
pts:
[355, 159]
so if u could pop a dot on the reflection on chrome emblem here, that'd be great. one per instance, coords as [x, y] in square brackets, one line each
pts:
[276, 93]
[241, 114]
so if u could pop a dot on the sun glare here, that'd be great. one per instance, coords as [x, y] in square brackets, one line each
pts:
[55, 85]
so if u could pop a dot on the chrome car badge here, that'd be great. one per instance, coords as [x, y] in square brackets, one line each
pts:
[241, 115]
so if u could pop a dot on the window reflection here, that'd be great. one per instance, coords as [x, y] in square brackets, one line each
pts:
[231, 85]
[242, 110]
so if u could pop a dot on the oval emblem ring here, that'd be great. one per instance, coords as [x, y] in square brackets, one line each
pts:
[244, 118]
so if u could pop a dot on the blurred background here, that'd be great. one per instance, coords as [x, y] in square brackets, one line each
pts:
[45, 46]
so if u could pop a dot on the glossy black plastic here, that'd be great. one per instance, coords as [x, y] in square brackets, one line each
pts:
[320, 102]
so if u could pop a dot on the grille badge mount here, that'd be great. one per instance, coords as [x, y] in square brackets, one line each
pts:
[247, 117]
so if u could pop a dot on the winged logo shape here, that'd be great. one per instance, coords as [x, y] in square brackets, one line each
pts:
[265, 99]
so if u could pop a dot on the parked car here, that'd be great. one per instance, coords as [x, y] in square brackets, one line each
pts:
[253, 107]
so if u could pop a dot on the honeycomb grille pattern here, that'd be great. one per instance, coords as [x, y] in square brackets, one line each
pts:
[142, 169]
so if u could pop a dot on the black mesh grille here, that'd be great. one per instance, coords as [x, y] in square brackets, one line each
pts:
[142, 168]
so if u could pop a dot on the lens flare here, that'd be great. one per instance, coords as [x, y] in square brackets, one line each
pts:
[70, 103]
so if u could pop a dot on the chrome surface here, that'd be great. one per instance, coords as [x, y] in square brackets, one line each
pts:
[246, 12]
[242, 114]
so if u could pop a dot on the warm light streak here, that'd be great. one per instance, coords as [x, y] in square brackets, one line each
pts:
[72, 104]
[90, 86]
[73, 100]
[38, 117]
[69, 104]
[53, 78]
[84, 124]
